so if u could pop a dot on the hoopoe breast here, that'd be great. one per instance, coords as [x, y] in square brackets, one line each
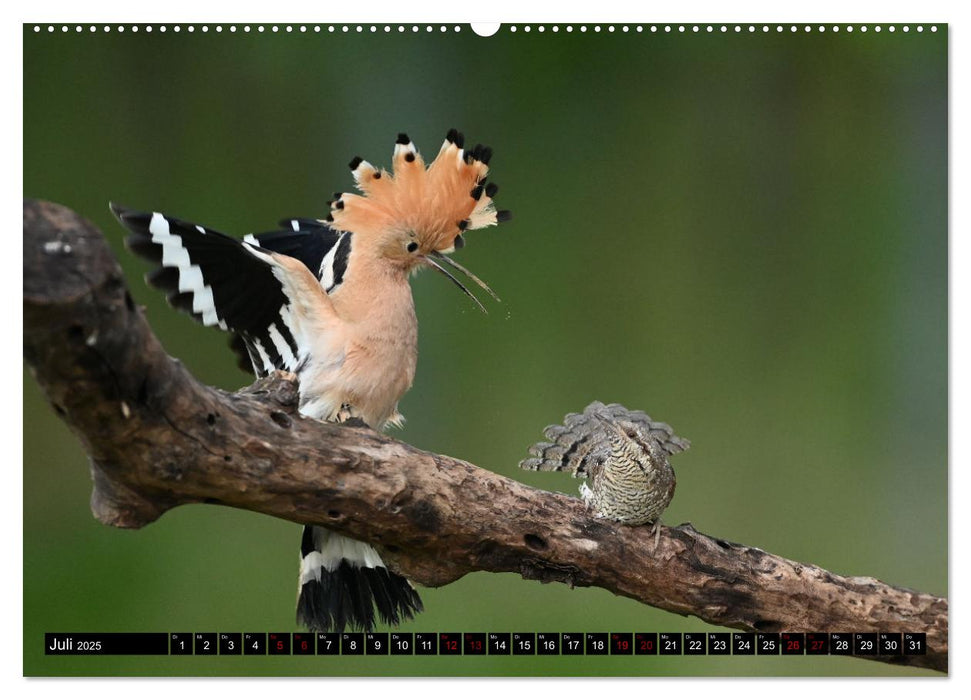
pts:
[373, 365]
[364, 381]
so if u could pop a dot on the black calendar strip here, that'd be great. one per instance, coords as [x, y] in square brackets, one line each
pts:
[105, 643]
[487, 643]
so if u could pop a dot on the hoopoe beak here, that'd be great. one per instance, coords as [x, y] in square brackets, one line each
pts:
[465, 271]
[430, 261]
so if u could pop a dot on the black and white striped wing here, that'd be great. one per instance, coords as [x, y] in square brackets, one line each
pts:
[324, 251]
[219, 281]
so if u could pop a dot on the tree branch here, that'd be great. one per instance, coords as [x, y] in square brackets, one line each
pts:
[158, 438]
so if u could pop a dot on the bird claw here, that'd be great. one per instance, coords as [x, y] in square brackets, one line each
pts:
[586, 494]
[344, 414]
[657, 534]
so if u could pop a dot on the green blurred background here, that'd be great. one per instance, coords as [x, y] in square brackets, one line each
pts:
[743, 234]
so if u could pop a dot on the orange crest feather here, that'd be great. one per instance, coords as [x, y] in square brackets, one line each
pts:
[437, 203]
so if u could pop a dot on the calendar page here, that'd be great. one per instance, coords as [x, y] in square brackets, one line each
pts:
[602, 349]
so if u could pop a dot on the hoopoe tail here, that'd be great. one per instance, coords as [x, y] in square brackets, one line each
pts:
[343, 582]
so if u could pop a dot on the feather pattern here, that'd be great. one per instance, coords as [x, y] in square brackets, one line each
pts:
[571, 444]
[438, 202]
[220, 281]
[624, 456]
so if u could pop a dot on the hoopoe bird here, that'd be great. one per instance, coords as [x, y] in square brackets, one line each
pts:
[330, 301]
[624, 455]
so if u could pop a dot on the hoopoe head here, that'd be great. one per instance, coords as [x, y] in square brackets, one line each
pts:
[417, 214]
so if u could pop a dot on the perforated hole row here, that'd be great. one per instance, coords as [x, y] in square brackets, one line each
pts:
[442, 28]
[250, 28]
[721, 28]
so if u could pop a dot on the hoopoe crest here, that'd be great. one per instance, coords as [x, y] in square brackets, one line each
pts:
[416, 214]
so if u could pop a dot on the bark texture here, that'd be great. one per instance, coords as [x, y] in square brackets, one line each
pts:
[157, 438]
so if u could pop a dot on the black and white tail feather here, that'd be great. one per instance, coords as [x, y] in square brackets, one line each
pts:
[227, 282]
[343, 581]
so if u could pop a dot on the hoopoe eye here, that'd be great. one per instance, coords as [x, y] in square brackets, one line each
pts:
[412, 247]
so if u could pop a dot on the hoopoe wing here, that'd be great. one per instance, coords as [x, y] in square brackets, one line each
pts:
[323, 250]
[236, 285]
[312, 242]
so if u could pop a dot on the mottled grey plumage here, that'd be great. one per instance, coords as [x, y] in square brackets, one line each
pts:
[623, 454]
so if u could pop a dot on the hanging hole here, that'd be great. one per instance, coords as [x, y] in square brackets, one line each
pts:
[485, 28]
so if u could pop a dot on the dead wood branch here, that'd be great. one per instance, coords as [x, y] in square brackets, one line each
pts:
[158, 438]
